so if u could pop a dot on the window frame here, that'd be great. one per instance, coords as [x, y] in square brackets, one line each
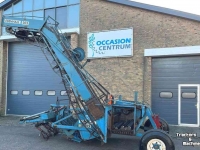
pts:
[63, 94]
[51, 90]
[69, 15]
[187, 93]
[29, 4]
[13, 6]
[26, 94]
[166, 92]
[38, 90]
[14, 90]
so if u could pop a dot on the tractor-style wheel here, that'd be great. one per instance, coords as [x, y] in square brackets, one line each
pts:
[164, 125]
[156, 139]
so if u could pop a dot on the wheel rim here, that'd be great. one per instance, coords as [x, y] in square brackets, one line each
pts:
[79, 54]
[156, 144]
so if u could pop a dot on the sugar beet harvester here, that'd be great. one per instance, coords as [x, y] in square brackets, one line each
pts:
[92, 111]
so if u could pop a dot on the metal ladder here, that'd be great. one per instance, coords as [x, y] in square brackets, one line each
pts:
[76, 101]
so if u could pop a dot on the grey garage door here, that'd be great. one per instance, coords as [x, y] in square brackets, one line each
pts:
[32, 84]
[167, 73]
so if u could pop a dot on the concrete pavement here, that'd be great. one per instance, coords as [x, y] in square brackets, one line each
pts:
[14, 136]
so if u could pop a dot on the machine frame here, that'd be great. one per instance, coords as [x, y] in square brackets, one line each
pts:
[92, 112]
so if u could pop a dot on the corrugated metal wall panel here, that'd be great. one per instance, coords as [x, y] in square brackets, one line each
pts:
[29, 70]
[167, 73]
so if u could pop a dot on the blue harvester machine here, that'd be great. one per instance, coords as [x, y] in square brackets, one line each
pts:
[92, 111]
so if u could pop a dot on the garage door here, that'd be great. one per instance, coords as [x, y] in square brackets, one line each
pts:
[32, 85]
[167, 74]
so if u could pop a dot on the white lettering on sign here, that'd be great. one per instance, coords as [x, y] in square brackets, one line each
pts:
[16, 21]
[25, 22]
[12, 21]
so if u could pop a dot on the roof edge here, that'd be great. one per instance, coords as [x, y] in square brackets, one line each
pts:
[158, 9]
[5, 3]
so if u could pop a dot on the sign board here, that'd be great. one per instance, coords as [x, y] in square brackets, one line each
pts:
[114, 43]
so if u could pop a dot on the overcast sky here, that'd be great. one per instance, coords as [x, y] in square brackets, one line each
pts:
[190, 6]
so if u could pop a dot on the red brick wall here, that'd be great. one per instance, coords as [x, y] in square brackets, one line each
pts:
[151, 30]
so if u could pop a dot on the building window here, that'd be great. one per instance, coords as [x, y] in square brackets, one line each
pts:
[51, 93]
[12, 92]
[50, 12]
[38, 4]
[188, 95]
[8, 10]
[25, 92]
[59, 17]
[17, 7]
[166, 94]
[73, 13]
[27, 5]
[39, 15]
[57, 14]
[73, 2]
[61, 3]
[18, 15]
[28, 15]
[50, 3]
[66, 12]
[38, 93]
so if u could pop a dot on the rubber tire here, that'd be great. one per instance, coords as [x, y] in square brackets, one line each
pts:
[162, 121]
[156, 134]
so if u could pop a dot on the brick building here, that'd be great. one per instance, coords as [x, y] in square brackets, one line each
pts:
[164, 68]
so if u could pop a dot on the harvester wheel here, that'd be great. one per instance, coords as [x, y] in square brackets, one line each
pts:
[164, 125]
[156, 139]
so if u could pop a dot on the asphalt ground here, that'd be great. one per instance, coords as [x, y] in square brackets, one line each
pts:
[14, 136]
